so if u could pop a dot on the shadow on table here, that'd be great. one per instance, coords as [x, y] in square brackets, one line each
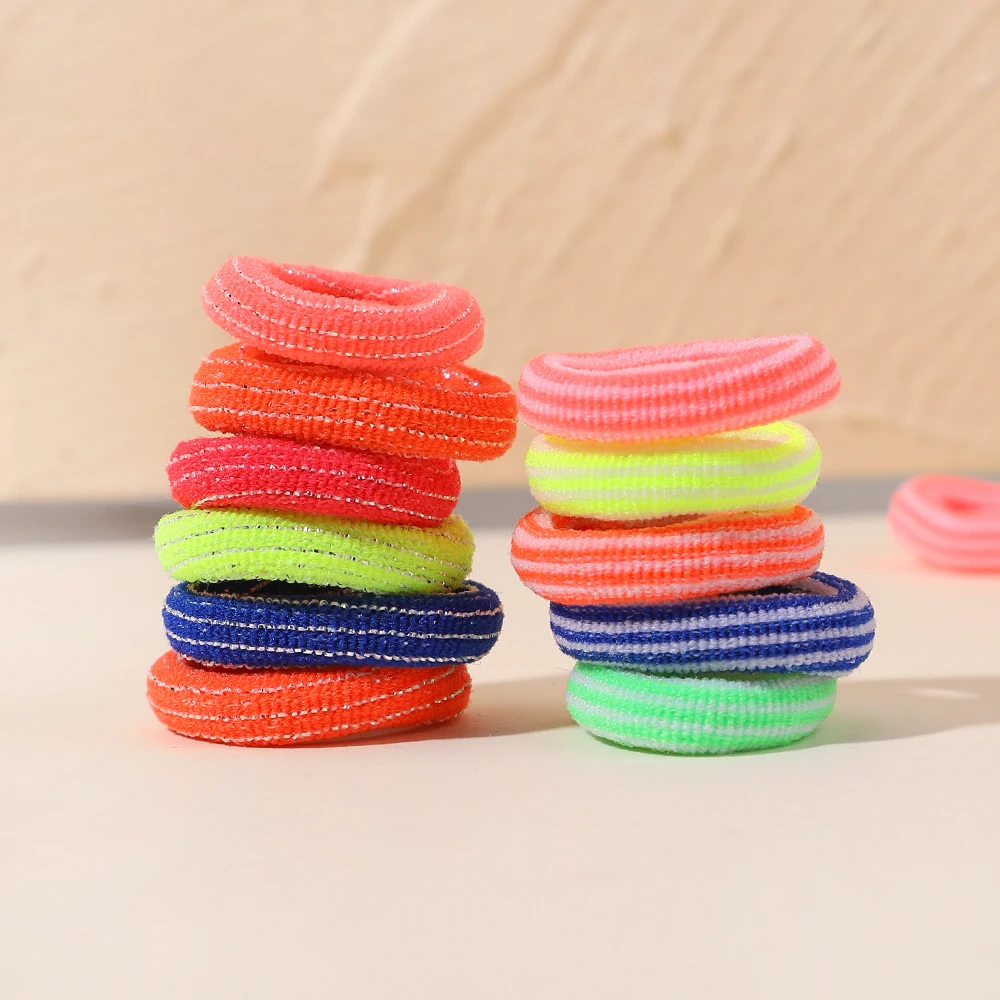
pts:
[874, 711]
[504, 708]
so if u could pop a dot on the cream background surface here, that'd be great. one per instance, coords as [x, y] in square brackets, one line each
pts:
[597, 173]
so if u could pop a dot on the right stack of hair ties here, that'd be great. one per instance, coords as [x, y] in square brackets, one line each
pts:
[670, 539]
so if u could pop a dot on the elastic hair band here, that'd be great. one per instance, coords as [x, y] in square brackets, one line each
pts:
[694, 557]
[273, 474]
[758, 469]
[455, 412]
[265, 708]
[949, 521]
[211, 545]
[697, 715]
[821, 625]
[242, 625]
[676, 390]
[357, 321]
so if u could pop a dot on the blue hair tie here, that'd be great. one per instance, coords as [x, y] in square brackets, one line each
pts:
[263, 624]
[819, 625]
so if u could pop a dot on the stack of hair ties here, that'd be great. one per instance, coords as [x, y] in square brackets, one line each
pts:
[324, 590]
[671, 541]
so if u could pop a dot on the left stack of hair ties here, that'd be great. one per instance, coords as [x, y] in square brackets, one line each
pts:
[671, 542]
[324, 590]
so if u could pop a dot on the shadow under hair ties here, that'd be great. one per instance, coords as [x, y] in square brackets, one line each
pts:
[567, 561]
[275, 625]
[676, 390]
[949, 521]
[282, 708]
[358, 321]
[820, 625]
[759, 468]
[456, 412]
[697, 715]
[274, 474]
[235, 544]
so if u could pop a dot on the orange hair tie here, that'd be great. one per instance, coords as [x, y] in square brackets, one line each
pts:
[358, 321]
[569, 561]
[289, 707]
[455, 412]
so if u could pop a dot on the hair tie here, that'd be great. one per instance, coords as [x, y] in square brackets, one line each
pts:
[676, 390]
[278, 708]
[697, 715]
[212, 545]
[757, 469]
[820, 625]
[949, 521]
[693, 557]
[273, 474]
[357, 321]
[455, 412]
[275, 625]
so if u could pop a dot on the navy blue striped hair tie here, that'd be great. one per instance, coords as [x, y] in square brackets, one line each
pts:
[262, 624]
[819, 625]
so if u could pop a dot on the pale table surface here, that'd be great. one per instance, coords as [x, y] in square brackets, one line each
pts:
[506, 854]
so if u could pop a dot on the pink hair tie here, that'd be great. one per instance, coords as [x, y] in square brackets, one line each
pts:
[949, 521]
[355, 321]
[676, 390]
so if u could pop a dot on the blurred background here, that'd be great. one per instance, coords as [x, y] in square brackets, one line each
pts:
[598, 174]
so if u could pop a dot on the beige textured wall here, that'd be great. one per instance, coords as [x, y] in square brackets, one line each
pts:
[598, 173]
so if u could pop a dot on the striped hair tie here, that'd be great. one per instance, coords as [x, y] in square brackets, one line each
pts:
[274, 625]
[563, 560]
[212, 545]
[949, 521]
[456, 412]
[756, 469]
[697, 715]
[288, 707]
[273, 474]
[676, 390]
[820, 625]
[357, 321]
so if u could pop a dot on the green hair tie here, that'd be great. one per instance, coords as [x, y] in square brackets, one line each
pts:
[207, 546]
[765, 468]
[697, 715]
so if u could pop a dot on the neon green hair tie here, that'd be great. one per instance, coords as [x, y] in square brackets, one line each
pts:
[771, 467]
[697, 715]
[211, 545]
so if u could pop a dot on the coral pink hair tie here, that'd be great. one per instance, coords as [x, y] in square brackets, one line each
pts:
[676, 390]
[949, 521]
[356, 321]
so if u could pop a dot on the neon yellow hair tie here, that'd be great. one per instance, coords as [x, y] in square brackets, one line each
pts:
[765, 468]
[212, 545]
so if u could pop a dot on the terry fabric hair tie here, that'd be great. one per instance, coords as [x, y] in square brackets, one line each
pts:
[760, 468]
[456, 412]
[277, 625]
[692, 557]
[676, 390]
[288, 707]
[273, 474]
[212, 545]
[949, 521]
[820, 625]
[697, 715]
[357, 321]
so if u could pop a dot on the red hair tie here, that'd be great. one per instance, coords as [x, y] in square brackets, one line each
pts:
[357, 321]
[676, 390]
[456, 412]
[566, 560]
[272, 474]
[262, 708]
